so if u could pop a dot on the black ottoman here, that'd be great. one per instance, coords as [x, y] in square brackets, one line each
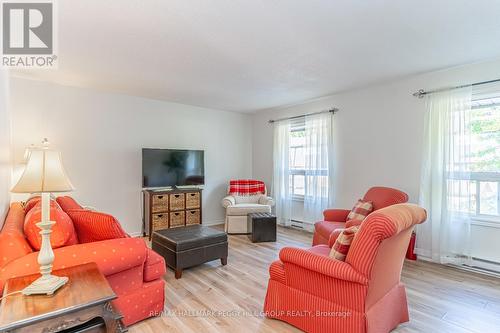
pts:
[262, 227]
[190, 246]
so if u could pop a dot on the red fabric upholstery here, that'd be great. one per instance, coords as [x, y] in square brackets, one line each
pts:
[63, 232]
[244, 187]
[142, 303]
[154, 268]
[343, 242]
[95, 226]
[379, 196]
[68, 203]
[336, 215]
[363, 294]
[322, 231]
[31, 202]
[13, 244]
[133, 270]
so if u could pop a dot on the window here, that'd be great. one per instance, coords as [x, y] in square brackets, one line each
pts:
[297, 162]
[306, 178]
[482, 183]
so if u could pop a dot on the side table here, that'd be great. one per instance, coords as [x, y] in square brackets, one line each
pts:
[83, 304]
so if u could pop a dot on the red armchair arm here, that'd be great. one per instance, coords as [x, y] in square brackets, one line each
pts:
[321, 264]
[336, 215]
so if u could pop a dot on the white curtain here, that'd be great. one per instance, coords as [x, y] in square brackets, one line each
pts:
[281, 175]
[445, 189]
[318, 165]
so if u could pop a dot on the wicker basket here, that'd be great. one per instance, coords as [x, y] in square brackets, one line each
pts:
[159, 203]
[177, 201]
[192, 200]
[177, 219]
[160, 221]
[193, 216]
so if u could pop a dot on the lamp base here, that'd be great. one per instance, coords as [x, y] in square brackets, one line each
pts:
[46, 284]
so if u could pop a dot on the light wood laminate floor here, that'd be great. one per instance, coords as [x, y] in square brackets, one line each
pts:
[441, 299]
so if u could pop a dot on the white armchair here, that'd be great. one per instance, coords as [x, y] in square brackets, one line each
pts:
[245, 196]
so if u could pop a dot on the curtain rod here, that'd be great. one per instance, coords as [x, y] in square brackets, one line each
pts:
[332, 110]
[421, 93]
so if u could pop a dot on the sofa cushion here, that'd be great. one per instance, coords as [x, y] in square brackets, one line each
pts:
[94, 226]
[246, 208]
[360, 210]
[68, 203]
[343, 243]
[247, 199]
[63, 232]
[13, 244]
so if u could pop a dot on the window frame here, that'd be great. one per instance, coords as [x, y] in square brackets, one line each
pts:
[297, 126]
[481, 101]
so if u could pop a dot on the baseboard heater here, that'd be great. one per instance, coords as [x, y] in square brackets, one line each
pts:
[297, 224]
[484, 266]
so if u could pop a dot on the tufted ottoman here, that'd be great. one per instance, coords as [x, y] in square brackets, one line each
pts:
[190, 246]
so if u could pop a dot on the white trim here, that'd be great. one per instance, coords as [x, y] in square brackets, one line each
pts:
[486, 223]
[213, 222]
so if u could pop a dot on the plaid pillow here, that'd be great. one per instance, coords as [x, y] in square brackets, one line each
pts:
[343, 243]
[360, 210]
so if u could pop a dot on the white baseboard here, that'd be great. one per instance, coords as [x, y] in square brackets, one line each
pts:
[136, 234]
[213, 222]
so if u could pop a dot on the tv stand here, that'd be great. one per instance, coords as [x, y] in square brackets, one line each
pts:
[171, 208]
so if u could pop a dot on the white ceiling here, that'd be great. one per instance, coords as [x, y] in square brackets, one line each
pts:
[246, 55]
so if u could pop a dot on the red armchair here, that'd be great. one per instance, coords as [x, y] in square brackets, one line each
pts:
[336, 218]
[364, 294]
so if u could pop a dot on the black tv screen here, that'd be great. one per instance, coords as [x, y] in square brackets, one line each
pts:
[172, 167]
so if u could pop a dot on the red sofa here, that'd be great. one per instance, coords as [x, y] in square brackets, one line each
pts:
[134, 271]
[337, 218]
[364, 294]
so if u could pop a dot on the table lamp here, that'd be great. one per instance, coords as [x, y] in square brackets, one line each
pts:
[44, 174]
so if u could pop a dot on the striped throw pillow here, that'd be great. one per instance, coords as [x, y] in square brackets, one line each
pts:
[360, 210]
[343, 243]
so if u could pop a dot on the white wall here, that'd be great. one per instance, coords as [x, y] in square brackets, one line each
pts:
[101, 135]
[5, 148]
[378, 138]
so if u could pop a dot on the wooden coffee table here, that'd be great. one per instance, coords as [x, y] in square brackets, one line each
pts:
[83, 304]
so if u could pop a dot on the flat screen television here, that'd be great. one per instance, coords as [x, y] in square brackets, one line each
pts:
[172, 167]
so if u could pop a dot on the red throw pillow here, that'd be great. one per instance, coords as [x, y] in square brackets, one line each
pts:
[94, 226]
[68, 203]
[31, 202]
[343, 243]
[360, 210]
[63, 232]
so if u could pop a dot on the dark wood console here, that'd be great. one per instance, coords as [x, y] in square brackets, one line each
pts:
[164, 209]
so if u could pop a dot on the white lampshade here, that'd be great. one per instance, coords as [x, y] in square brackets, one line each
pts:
[44, 173]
